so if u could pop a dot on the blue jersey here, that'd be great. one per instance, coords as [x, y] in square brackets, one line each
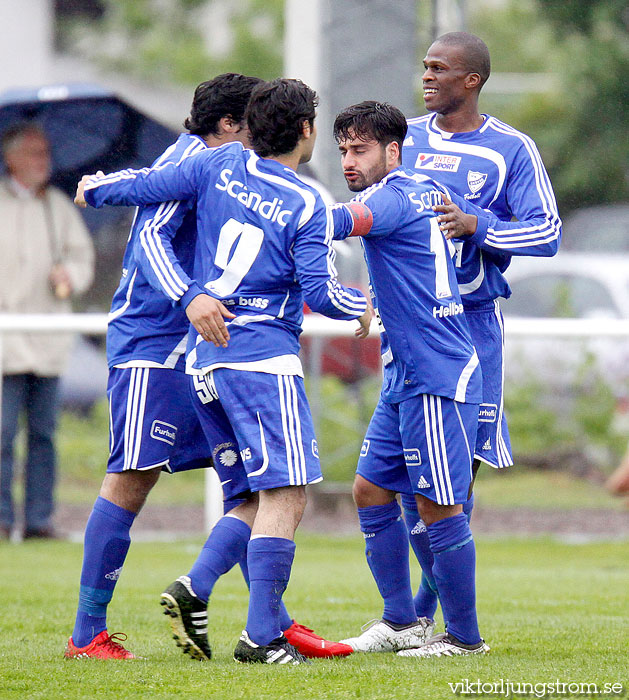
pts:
[263, 247]
[147, 327]
[426, 345]
[499, 169]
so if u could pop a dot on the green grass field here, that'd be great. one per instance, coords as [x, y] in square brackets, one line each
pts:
[550, 611]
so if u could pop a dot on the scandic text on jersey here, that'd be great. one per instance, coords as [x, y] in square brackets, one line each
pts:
[271, 210]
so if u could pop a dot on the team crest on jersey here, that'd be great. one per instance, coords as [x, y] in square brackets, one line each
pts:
[164, 432]
[475, 180]
[437, 161]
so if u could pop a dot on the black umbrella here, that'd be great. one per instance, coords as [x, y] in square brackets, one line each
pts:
[89, 129]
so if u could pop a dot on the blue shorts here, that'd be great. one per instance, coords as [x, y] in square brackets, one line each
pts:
[487, 329]
[152, 422]
[421, 445]
[269, 417]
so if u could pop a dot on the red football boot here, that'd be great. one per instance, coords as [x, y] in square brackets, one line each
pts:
[103, 646]
[314, 646]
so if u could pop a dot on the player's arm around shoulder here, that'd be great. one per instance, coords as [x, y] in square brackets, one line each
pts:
[169, 180]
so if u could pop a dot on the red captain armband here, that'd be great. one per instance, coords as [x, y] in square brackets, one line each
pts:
[362, 218]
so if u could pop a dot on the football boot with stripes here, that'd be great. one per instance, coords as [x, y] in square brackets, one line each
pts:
[312, 645]
[445, 645]
[103, 646]
[188, 618]
[381, 635]
[278, 651]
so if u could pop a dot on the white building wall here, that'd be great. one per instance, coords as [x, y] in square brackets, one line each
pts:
[26, 46]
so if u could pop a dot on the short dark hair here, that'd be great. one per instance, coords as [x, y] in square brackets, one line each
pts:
[225, 95]
[276, 115]
[475, 52]
[15, 132]
[371, 120]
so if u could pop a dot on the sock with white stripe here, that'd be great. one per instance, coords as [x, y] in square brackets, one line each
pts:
[386, 549]
[105, 548]
[426, 599]
[225, 547]
[269, 560]
[454, 570]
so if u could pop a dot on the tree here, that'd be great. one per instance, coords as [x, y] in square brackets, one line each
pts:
[182, 41]
[581, 126]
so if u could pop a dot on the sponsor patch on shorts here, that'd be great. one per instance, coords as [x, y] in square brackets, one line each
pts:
[412, 457]
[164, 432]
[487, 413]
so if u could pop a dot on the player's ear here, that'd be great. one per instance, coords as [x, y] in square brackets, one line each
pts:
[392, 152]
[472, 80]
[229, 125]
[306, 128]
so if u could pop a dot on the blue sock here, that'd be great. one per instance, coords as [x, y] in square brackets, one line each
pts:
[285, 619]
[225, 546]
[105, 548]
[269, 560]
[454, 570]
[426, 597]
[386, 549]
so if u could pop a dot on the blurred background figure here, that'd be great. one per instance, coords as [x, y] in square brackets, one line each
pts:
[618, 482]
[47, 257]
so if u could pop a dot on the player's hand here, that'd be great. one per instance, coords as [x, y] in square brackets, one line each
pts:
[454, 222]
[365, 322]
[79, 197]
[206, 314]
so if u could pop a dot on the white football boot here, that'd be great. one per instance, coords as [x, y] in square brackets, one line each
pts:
[445, 645]
[379, 635]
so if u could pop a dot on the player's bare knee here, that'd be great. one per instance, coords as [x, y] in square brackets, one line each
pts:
[246, 511]
[129, 489]
[430, 512]
[366, 493]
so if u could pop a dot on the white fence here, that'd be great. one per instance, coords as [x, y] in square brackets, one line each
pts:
[314, 326]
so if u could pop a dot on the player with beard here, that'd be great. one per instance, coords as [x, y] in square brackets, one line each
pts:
[421, 436]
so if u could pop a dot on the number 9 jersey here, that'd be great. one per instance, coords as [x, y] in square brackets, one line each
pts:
[263, 248]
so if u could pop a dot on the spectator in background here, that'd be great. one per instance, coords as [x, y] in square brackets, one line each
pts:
[47, 257]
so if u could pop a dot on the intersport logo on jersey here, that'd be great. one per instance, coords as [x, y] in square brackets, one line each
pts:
[437, 161]
[268, 209]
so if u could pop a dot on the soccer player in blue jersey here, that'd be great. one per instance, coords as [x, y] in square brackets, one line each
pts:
[493, 165]
[421, 436]
[154, 424]
[263, 248]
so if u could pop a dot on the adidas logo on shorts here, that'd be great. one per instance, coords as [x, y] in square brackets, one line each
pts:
[422, 483]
